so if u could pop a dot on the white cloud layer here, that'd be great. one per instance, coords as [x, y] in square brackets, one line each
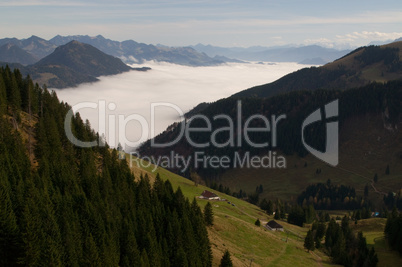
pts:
[183, 86]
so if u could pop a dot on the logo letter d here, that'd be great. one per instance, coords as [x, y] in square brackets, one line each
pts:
[330, 155]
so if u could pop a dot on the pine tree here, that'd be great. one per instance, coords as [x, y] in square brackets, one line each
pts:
[270, 208]
[181, 258]
[257, 222]
[226, 261]
[91, 253]
[3, 96]
[375, 179]
[9, 231]
[144, 259]
[208, 214]
[309, 241]
[366, 191]
[319, 234]
[277, 214]
[14, 93]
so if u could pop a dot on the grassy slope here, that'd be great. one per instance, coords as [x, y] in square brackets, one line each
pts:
[366, 149]
[234, 230]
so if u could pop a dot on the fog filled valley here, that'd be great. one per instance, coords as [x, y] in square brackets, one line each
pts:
[183, 86]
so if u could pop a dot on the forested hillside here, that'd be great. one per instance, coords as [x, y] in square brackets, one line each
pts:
[65, 206]
[376, 99]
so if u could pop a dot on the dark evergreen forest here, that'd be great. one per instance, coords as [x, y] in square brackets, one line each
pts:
[344, 246]
[373, 99]
[61, 205]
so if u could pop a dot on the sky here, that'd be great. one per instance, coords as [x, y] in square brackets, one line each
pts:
[338, 24]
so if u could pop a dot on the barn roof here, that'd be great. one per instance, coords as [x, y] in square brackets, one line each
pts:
[208, 194]
[274, 224]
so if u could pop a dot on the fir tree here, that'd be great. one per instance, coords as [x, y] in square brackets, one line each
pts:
[366, 191]
[226, 261]
[208, 214]
[277, 214]
[309, 241]
[3, 96]
[9, 231]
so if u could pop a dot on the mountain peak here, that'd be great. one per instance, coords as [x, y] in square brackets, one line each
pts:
[74, 43]
[76, 62]
[34, 37]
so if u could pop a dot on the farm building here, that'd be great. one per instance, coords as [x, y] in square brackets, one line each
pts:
[274, 226]
[209, 195]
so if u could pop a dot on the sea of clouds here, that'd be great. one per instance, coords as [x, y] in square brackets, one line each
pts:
[182, 86]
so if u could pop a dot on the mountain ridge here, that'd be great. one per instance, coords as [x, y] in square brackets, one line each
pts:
[315, 54]
[128, 51]
[72, 64]
[133, 52]
[10, 52]
[358, 68]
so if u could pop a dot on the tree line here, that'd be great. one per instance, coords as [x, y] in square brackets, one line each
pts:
[331, 197]
[393, 230]
[341, 243]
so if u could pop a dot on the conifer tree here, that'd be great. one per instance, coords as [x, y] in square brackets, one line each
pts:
[91, 252]
[3, 96]
[14, 96]
[144, 259]
[181, 259]
[277, 214]
[309, 241]
[366, 191]
[319, 234]
[226, 261]
[9, 231]
[208, 214]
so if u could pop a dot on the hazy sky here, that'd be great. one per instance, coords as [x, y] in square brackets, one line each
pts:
[222, 23]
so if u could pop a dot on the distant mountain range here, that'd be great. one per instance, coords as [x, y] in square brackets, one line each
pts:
[312, 54]
[128, 51]
[37, 47]
[72, 64]
[62, 62]
[132, 52]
